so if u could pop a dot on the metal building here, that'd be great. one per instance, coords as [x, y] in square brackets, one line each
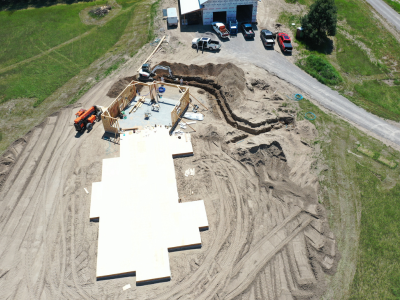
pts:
[207, 11]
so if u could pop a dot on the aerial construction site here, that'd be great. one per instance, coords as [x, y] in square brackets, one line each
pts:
[259, 230]
[188, 173]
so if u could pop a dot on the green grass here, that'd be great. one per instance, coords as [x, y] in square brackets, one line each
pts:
[26, 33]
[40, 78]
[395, 5]
[368, 30]
[380, 94]
[321, 69]
[114, 67]
[352, 185]
[353, 60]
[153, 12]
[361, 69]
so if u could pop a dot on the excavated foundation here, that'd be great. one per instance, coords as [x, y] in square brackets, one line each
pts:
[226, 84]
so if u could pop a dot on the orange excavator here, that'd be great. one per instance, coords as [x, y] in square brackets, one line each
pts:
[86, 118]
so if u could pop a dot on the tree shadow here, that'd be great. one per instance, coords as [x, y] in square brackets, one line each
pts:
[13, 5]
[324, 48]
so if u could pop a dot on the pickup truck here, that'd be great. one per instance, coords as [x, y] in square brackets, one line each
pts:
[248, 31]
[205, 43]
[220, 29]
[284, 43]
[267, 38]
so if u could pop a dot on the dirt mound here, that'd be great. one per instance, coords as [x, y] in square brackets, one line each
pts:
[260, 84]
[227, 84]
[215, 70]
[228, 76]
[119, 86]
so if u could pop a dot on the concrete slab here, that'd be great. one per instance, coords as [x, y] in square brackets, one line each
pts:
[161, 117]
[137, 206]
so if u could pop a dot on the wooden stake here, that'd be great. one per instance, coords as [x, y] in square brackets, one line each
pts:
[198, 101]
[151, 53]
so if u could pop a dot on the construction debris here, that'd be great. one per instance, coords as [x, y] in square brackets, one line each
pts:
[193, 116]
[101, 11]
[190, 172]
[138, 104]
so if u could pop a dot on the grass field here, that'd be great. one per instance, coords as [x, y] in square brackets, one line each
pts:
[61, 50]
[360, 195]
[364, 54]
[39, 79]
[26, 33]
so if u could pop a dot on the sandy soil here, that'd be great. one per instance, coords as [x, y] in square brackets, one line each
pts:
[269, 237]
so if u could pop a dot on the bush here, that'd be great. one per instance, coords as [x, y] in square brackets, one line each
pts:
[320, 22]
[319, 68]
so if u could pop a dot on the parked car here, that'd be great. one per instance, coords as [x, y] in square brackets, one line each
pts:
[284, 42]
[247, 30]
[205, 43]
[233, 26]
[172, 17]
[267, 38]
[220, 29]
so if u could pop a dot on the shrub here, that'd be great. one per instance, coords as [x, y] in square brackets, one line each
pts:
[319, 68]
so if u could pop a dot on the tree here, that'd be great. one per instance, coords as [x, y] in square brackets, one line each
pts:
[320, 22]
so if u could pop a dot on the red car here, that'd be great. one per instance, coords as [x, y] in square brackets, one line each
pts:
[284, 42]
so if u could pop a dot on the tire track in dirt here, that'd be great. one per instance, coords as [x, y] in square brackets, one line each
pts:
[241, 221]
[245, 280]
[45, 209]
[37, 215]
[20, 162]
[29, 165]
[53, 232]
[21, 198]
[65, 151]
[221, 235]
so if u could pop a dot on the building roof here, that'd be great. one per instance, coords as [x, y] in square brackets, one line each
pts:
[188, 6]
[171, 12]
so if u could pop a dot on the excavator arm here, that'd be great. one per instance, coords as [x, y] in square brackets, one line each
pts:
[162, 68]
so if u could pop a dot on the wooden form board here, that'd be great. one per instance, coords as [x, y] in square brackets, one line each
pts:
[179, 110]
[110, 115]
[136, 203]
[152, 53]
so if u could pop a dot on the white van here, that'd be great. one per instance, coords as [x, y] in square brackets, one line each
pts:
[172, 17]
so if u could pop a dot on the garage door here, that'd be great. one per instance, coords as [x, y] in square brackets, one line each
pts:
[219, 16]
[244, 13]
